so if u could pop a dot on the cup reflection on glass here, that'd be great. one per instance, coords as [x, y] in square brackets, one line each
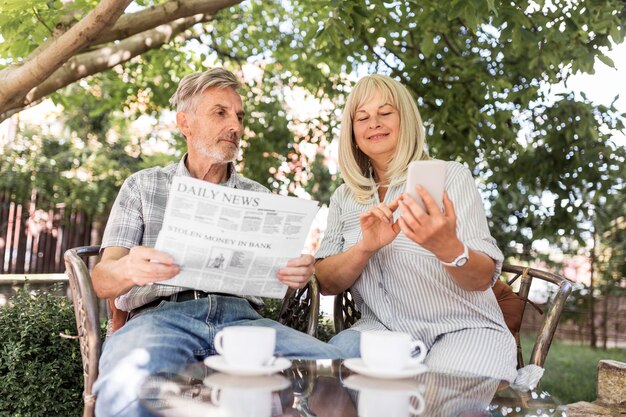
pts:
[246, 346]
[244, 396]
[381, 403]
[235, 402]
[387, 397]
[390, 351]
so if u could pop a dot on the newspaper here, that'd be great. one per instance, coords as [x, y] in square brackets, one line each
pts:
[232, 241]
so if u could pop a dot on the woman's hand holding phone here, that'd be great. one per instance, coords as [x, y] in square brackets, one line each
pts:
[431, 175]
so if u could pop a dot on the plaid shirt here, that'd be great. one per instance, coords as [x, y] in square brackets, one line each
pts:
[137, 217]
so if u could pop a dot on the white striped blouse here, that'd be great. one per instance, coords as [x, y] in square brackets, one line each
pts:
[403, 286]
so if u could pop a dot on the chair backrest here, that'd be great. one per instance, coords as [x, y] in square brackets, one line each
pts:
[551, 317]
[346, 312]
[300, 310]
[87, 316]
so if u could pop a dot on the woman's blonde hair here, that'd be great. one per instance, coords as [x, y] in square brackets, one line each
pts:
[354, 164]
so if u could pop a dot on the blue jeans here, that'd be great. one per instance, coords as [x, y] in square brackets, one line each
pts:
[173, 334]
[349, 342]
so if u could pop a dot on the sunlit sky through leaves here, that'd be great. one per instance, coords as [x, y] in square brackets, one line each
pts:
[603, 86]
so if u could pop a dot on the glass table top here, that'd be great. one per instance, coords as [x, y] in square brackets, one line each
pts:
[328, 388]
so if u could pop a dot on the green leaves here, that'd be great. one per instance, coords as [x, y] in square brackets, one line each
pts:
[606, 60]
[475, 68]
[617, 33]
[26, 24]
[427, 46]
[471, 13]
[479, 71]
[41, 371]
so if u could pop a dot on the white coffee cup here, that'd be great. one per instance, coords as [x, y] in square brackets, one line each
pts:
[235, 402]
[390, 351]
[246, 346]
[376, 403]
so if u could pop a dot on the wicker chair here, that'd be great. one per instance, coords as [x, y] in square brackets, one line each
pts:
[300, 310]
[346, 312]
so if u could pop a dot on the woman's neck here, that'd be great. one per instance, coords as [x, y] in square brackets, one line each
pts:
[382, 181]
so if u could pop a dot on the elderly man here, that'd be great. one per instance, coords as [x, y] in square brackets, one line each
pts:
[169, 327]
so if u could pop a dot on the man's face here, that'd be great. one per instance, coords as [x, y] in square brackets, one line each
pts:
[213, 127]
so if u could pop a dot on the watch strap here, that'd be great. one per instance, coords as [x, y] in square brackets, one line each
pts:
[459, 260]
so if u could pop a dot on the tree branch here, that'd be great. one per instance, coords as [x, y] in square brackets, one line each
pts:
[22, 85]
[383, 61]
[89, 63]
[16, 81]
[448, 42]
[38, 16]
[223, 53]
[132, 23]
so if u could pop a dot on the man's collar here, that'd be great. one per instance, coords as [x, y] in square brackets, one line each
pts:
[233, 181]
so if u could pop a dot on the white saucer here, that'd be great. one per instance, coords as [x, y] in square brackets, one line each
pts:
[357, 365]
[254, 383]
[218, 363]
[362, 383]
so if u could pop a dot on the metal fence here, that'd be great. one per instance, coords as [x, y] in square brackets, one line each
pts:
[33, 237]
[609, 317]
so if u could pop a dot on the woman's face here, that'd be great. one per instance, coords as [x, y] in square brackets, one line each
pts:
[376, 127]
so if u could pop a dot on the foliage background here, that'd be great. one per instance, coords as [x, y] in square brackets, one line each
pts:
[32, 351]
[548, 165]
[480, 71]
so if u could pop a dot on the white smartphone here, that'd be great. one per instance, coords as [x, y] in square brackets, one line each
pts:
[430, 174]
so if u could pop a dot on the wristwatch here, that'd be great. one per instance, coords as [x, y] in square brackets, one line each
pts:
[459, 260]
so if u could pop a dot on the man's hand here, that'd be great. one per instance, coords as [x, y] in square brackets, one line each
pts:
[145, 265]
[298, 271]
[121, 269]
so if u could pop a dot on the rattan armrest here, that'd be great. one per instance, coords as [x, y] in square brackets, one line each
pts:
[87, 317]
[301, 308]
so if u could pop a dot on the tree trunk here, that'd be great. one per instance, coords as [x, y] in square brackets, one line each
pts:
[605, 318]
[592, 315]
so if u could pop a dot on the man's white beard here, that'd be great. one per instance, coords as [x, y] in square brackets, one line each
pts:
[221, 156]
[218, 155]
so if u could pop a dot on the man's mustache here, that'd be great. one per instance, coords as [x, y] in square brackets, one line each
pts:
[230, 137]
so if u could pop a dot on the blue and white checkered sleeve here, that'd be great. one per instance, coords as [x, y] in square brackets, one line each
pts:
[125, 226]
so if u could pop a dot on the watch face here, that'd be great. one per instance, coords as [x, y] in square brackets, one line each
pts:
[461, 261]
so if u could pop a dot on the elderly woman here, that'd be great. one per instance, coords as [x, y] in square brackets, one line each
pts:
[423, 271]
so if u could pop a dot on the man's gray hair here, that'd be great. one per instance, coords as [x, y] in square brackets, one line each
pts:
[193, 85]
